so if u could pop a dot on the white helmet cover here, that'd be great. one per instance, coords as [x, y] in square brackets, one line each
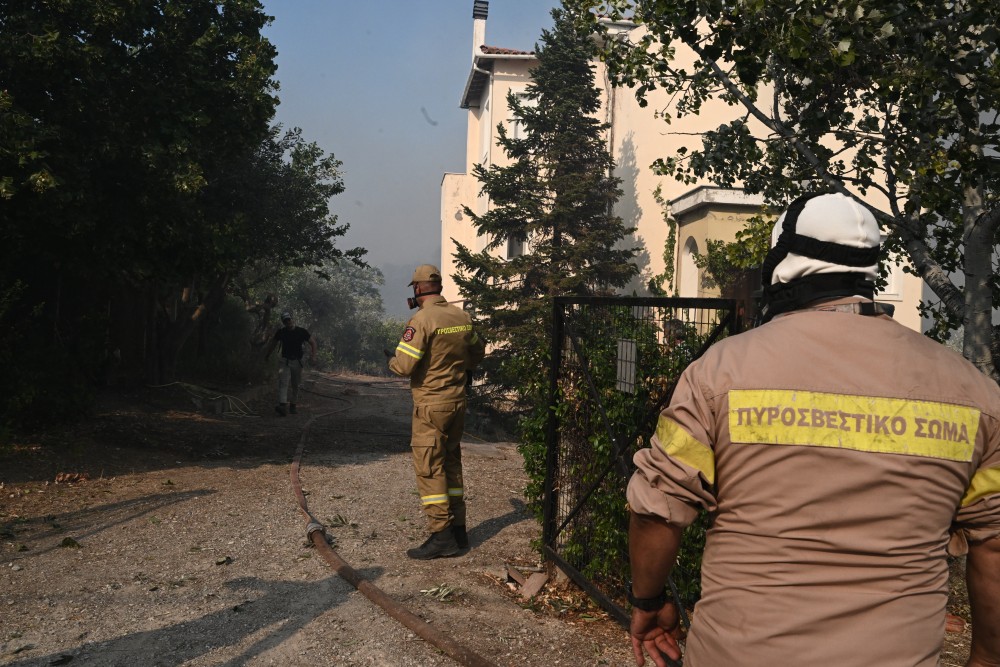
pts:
[823, 245]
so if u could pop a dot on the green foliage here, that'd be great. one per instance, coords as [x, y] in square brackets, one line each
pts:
[344, 312]
[134, 108]
[895, 103]
[274, 199]
[686, 574]
[116, 118]
[18, 140]
[726, 263]
[44, 381]
[555, 195]
[663, 284]
[220, 351]
[139, 172]
[385, 335]
[341, 306]
[592, 448]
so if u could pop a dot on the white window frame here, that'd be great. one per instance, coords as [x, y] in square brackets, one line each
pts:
[516, 247]
[517, 129]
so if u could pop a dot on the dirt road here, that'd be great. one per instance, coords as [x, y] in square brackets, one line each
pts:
[175, 539]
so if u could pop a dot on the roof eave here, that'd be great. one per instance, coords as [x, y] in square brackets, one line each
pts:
[475, 74]
[481, 67]
[708, 196]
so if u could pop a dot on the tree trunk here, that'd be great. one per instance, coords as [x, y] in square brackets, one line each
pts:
[168, 335]
[262, 327]
[977, 320]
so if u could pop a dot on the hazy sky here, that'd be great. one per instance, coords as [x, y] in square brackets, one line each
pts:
[378, 84]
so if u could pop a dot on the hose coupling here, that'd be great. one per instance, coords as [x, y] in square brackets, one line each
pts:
[313, 527]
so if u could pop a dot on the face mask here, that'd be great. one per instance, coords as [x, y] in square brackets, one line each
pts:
[412, 300]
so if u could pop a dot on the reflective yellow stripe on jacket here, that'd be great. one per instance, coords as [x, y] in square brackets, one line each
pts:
[679, 445]
[984, 483]
[410, 351]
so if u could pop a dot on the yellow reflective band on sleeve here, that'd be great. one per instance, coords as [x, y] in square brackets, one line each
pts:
[438, 499]
[679, 445]
[459, 492]
[410, 351]
[475, 338]
[984, 483]
[861, 423]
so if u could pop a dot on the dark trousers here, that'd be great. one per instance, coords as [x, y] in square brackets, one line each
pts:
[289, 377]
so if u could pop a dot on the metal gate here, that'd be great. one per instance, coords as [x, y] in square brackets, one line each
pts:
[615, 363]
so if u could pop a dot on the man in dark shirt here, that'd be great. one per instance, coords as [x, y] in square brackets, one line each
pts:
[291, 338]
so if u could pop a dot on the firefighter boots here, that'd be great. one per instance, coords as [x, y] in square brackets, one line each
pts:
[291, 409]
[438, 545]
[280, 409]
[461, 537]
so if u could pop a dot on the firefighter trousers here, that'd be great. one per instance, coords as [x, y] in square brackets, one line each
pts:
[436, 441]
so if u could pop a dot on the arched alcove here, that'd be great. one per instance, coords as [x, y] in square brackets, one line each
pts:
[689, 282]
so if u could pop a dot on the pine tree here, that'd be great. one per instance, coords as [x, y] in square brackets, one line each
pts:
[556, 197]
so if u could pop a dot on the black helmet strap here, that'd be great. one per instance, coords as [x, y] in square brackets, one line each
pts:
[783, 297]
[783, 245]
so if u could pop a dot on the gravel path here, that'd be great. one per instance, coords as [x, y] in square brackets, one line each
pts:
[185, 544]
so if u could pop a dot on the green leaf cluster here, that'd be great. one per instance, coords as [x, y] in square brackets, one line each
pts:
[602, 423]
[140, 172]
[342, 308]
[339, 304]
[895, 103]
[662, 284]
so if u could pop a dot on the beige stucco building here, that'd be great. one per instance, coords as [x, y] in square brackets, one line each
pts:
[637, 136]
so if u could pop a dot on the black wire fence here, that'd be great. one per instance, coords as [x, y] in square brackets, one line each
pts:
[615, 363]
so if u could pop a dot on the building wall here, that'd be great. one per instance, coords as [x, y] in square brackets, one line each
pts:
[720, 222]
[637, 137]
[461, 190]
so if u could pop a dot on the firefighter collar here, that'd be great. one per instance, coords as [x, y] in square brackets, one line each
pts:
[856, 306]
[436, 300]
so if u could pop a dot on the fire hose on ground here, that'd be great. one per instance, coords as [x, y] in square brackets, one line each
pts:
[316, 533]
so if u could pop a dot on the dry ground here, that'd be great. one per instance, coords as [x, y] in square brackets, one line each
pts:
[185, 545]
[173, 537]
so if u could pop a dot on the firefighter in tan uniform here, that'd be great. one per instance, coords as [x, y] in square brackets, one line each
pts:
[841, 454]
[437, 349]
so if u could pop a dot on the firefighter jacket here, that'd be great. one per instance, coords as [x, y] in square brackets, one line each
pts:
[838, 452]
[436, 351]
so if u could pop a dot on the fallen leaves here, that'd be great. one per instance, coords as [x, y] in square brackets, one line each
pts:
[71, 477]
[536, 592]
[339, 520]
[440, 592]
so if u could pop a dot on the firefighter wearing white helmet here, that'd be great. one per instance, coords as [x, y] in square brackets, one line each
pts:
[436, 351]
[842, 456]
